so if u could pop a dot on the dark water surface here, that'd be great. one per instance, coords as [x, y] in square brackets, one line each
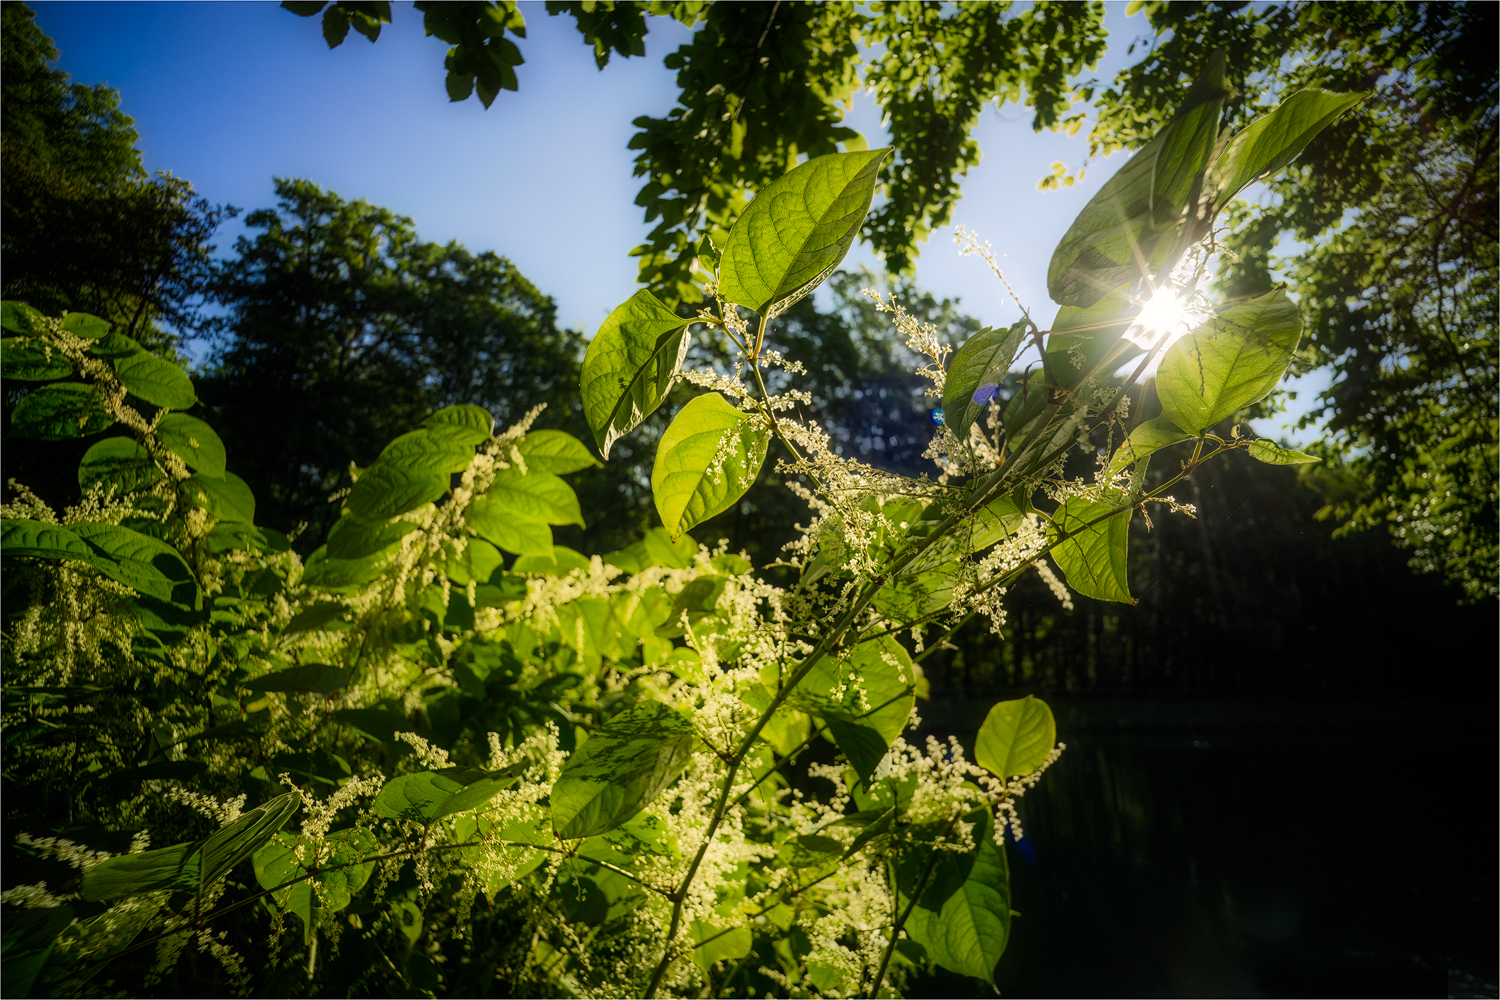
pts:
[1192, 848]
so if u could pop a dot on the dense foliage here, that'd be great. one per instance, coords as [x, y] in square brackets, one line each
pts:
[444, 754]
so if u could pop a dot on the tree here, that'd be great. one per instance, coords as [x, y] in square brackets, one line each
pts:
[85, 227]
[341, 329]
[1413, 361]
[1393, 213]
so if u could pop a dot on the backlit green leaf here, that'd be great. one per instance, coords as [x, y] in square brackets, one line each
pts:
[865, 699]
[1129, 228]
[146, 564]
[119, 462]
[974, 377]
[630, 366]
[1147, 437]
[157, 381]
[1016, 737]
[618, 770]
[729, 946]
[535, 496]
[479, 560]
[308, 678]
[1093, 558]
[1273, 454]
[970, 931]
[18, 317]
[32, 359]
[707, 459]
[556, 452]
[560, 562]
[424, 451]
[194, 442]
[1273, 140]
[59, 412]
[797, 230]
[1229, 362]
[352, 537]
[465, 424]
[492, 521]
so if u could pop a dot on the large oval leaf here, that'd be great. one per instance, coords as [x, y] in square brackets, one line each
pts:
[119, 462]
[492, 521]
[1127, 230]
[557, 452]
[193, 441]
[630, 366]
[969, 932]
[387, 490]
[1145, 438]
[424, 451]
[169, 868]
[797, 230]
[32, 359]
[59, 412]
[228, 497]
[619, 769]
[1093, 556]
[1274, 140]
[706, 460]
[232, 844]
[156, 380]
[1016, 737]
[1229, 362]
[976, 373]
[85, 326]
[865, 699]
[536, 496]
[463, 424]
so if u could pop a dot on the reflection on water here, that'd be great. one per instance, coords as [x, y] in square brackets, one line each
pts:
[1253, 849]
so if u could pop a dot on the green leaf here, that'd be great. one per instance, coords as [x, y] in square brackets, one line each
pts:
[556, 452]
[478, 562]
[194, 442]
[520, 535]
[120, 462]
[707, 459]
[59, 412]
[314, 618]
[171, 868]
[630, 366]
[1085, 339]
[424, 451]
[1016, 737]
[156, 381]
[141, 562]
[1146, 438]
[1229, 362]
[309, 678]
[1129, 228]
[560, 562]
[341, 574]
[1273, 454]
[354, 538]
[428, 796]
[379, 724]
[115, 347]
[275, 865]
[386, 490]
[1093, 560]
[465, 424]
[32, 359]
[618, 770]
[1273, 140]
[865, 699]
[975, 375]
[84, 326]
[228, 498]
[227, 847]
[970, 931]
[797, 230]
[18, 317]
[535, 496]
[730, 946]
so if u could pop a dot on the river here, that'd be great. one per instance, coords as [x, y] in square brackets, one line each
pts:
[1254, 848]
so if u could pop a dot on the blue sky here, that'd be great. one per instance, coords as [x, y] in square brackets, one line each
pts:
[229, 95]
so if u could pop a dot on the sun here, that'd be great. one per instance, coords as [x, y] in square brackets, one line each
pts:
[1168, 313]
